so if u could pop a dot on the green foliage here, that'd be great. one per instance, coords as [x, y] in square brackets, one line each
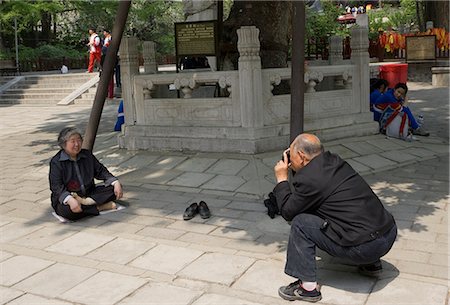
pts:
[147, 20]
[154, 21]
[43, 51]
[325, 23]
[389, 17]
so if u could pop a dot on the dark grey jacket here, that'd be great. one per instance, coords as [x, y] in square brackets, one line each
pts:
[68, 176]
[331, 189]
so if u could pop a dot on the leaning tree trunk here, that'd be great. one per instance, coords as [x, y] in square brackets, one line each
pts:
[272, 18]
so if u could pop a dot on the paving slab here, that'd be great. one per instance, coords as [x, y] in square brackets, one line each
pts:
[217, 268]
[399, 291]
[247, 206]
[167, 163]
[150, 176]
[166, 259]
[121, 250]
[162, 233]
[8, 294]
[44, 237]
[14, 231]
[222, 182]
[343, 288]
[420, 152]
[195, 164]
[5, 255]
[29, 299]
[162, 293]
[55, 280]
[20, 267]
[362, 148]
[357, 166]
[227, 167]
[257, 186]
[109, 288]
[342, 151]
[218, 299]
[191, 179]
[375, 161]
[262, 275]
[399, 156]
[80, 243]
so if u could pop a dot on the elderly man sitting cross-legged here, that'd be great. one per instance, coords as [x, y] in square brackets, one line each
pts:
[72, 172]
[332, 208]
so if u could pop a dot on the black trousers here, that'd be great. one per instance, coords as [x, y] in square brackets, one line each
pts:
[306, 235]
[100, 194]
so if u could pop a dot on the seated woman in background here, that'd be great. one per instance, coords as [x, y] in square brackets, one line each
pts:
[72, 172]
[397, 98]
[377, 89]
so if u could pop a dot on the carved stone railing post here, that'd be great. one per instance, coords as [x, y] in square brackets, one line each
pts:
[149, 55]
[128, 69]
[250, 78]
[335, 56]
[186, 85]
[360, 58]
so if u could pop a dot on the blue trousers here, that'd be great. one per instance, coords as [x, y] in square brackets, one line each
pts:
[306, 235]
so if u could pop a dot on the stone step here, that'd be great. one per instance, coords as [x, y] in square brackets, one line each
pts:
[39, 90]
[28, 101]
[48, 95]
[91, 101]
[67, 85]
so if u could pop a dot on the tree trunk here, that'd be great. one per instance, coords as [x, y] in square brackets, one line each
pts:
[437, 11]
[272, 18]
[46, 21]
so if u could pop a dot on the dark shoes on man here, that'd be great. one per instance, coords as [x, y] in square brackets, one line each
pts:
[194, 209]
[295, 291]
[374, 269]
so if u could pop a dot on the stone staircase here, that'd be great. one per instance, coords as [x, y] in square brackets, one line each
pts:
[48, 89]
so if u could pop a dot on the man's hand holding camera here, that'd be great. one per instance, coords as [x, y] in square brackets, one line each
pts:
[282, 167]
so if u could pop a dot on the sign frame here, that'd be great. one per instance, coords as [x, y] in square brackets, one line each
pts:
[215, 39]
[428, 54]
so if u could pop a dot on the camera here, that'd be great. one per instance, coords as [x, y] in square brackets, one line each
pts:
[288, 157]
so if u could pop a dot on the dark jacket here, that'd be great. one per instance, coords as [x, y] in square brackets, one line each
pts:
[331, 189]
[64, 179]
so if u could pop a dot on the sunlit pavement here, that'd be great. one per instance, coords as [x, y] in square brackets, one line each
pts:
[146, 253]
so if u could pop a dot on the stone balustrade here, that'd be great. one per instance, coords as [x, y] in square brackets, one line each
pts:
[240, 112]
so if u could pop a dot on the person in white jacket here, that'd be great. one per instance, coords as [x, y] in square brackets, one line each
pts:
[95, 50]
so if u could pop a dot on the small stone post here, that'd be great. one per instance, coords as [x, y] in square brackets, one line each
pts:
[250, 79]
[149, 54]
[129, 67]
[360, 58]
[335, 56]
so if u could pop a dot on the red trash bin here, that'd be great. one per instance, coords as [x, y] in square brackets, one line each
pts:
[394, 73]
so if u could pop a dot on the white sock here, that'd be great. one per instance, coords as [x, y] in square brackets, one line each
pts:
[309, 286]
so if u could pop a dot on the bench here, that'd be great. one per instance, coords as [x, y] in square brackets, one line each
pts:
[8, 67]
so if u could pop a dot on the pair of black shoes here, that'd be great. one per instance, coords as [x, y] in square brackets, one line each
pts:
[195, 209]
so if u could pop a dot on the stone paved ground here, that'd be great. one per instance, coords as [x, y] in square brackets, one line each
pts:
[146, 254]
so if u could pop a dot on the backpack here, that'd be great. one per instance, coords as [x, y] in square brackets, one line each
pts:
[394, 123]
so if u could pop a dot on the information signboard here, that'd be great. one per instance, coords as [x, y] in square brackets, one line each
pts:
[196, 38]
[421, 47]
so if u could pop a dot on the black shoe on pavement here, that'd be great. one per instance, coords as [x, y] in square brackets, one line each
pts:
[374, 269]
[191, 211]
[203, 210]
[294, 291]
